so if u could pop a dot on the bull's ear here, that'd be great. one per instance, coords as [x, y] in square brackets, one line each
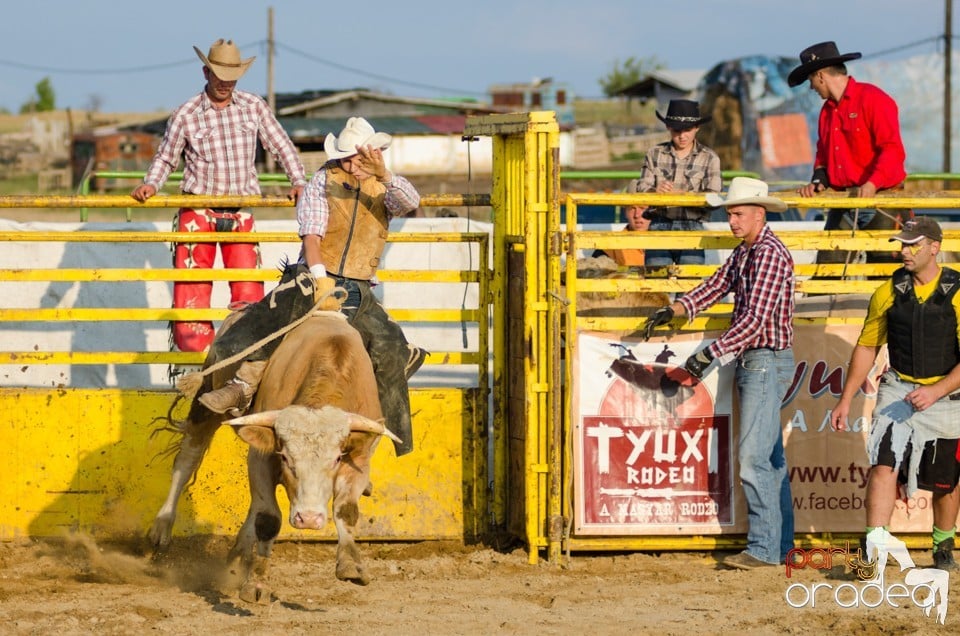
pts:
[261, 438]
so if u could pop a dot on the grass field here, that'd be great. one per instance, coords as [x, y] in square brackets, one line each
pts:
[589, 112]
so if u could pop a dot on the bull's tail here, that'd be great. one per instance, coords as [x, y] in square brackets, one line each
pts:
[197, 430]
[169, 424]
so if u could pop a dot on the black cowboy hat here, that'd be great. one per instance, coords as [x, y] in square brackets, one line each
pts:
[813, 58]
[682, 114]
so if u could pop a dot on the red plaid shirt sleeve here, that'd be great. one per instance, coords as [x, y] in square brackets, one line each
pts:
[762, 280]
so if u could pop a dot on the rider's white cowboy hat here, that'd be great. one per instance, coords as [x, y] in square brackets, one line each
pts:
[357, 132]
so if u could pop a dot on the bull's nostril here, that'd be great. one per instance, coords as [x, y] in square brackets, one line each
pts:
[309, 520]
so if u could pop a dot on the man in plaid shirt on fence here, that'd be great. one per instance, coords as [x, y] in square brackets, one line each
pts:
[216, 133]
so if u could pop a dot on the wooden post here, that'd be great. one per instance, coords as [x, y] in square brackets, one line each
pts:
[271, 96]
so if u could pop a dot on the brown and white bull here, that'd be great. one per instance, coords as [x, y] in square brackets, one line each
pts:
[313, 428]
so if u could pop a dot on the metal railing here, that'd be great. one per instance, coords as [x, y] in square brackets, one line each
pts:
[85, 201]
[480, 275]
[812, 279]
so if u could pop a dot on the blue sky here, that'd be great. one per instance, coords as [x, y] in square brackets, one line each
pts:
[138, 56]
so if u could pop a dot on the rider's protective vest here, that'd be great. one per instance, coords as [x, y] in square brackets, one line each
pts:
[922, 337]
[357, 229]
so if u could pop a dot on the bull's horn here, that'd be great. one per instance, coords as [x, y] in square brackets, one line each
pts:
[365, 424]
[266, 418]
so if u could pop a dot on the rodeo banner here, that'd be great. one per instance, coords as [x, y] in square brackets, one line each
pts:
[655, 449]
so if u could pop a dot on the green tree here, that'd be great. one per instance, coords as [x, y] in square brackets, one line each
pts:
[631, 71]
[43, 100]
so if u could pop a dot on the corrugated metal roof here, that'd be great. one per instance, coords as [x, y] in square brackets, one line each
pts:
[428, 116]
[448, 124]
[318, 127]
[683, 81]
[436, 105]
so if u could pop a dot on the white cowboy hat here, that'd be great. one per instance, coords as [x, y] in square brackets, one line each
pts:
[747, 191]
[224, 60]
[357, 132]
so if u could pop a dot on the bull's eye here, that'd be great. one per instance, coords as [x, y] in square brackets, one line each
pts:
[287, 463]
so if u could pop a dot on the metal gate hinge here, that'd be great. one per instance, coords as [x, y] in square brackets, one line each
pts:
[559, 243]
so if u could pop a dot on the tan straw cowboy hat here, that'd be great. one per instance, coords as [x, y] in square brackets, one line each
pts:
[224, 60]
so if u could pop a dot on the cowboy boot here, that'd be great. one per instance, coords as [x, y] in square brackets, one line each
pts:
[235, 396]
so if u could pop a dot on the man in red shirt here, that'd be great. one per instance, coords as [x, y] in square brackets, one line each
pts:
[859, 147]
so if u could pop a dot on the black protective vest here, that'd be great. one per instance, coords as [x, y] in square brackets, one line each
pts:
[922, 338]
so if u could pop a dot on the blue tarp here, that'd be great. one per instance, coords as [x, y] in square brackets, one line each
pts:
[759, 83]
[915, 83]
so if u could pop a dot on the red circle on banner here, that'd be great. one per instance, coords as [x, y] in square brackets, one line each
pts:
[654, 391]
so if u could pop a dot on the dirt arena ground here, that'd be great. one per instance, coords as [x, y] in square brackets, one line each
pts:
[78, 587]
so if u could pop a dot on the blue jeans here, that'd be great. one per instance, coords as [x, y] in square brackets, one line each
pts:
[665, 258]
[763, 377]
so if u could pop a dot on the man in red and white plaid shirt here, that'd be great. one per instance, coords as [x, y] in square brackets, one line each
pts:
[216, 133]
[759, 274]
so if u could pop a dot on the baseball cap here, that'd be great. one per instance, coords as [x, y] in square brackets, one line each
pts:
[916, 228]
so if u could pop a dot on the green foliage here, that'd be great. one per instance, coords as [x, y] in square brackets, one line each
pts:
[631, 71]
[43, 101]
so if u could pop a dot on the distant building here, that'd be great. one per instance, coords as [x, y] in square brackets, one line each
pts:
[111, 149]
[426, 132]
[663, 85]
[540, 94]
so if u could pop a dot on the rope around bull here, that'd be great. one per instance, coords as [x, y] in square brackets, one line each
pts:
[190, 383]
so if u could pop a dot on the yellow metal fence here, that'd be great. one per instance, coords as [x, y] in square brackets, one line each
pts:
[854, 278]
[83, 458]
